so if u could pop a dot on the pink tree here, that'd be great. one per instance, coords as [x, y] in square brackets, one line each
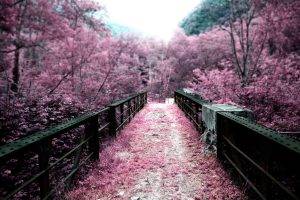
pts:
[272, 81]
[281, 20]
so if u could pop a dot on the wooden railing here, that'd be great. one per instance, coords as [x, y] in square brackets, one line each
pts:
[267, 161]
[191, 106]
[118, 114]
[121, 112]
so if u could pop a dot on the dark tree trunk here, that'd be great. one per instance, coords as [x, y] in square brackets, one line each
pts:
[16, 72]
[271, 46]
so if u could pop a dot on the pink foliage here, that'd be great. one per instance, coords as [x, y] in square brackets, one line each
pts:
[271, 93]
[58, 60]
[188, 53]
[281, 19]
[213, 86]
[59, 52]
[206, 64]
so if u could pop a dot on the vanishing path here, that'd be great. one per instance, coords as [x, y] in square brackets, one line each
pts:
[157, 156]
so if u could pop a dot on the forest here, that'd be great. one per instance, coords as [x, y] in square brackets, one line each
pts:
[59, 59]
[110, 107]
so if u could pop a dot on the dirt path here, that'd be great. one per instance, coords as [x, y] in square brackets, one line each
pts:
[157, 156]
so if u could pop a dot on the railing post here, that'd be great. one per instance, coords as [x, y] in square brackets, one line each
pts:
[266, 166]
[43, 158]
[135, 105]
[112, 120]
[122, 114]
[180, 101]
[191, 109]
[185, 105]
[142, 100]
[190, 104]
[91, 129]
[219, 137]
[196, 114]
[199, 115]
[188, 108]
[138, 103]
[129, 110]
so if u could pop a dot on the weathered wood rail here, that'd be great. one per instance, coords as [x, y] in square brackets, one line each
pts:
[118, 114]
[267, 161]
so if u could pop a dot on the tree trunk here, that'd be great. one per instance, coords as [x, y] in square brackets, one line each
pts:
[16, 72]
[272, 46]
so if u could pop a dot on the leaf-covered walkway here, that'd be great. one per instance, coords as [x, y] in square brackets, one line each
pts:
[157, 156]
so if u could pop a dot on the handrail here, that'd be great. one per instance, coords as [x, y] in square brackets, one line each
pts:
[122, 101]
[191, 106]
[40, 142]
[133, 104]
[268, 161]
[191, 97]
[10, 148]
[278, 138]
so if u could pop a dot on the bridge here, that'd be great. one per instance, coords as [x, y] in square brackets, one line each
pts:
[133, 149]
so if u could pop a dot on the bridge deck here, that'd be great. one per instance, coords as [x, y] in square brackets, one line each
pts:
[157, 156]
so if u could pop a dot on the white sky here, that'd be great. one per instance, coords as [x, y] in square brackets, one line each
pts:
[154, 18]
